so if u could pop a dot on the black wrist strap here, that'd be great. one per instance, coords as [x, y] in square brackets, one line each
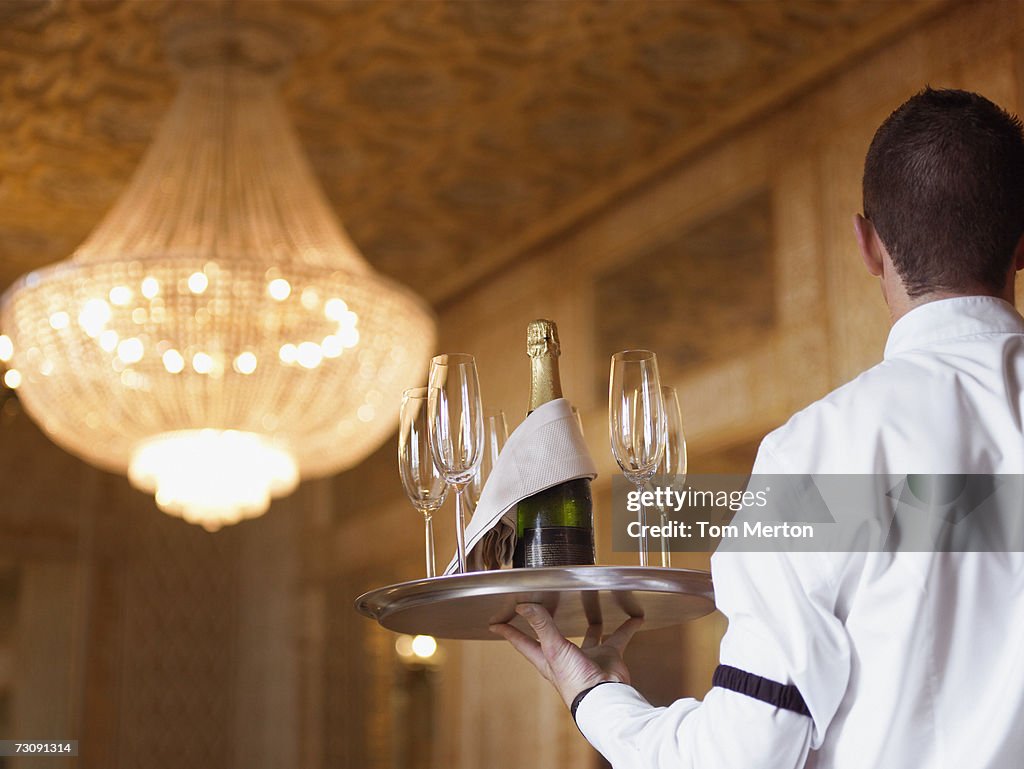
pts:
[579, 697]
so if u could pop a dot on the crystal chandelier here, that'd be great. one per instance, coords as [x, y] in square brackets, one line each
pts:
[217, 336]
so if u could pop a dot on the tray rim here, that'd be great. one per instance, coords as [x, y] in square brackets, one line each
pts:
[372, 605]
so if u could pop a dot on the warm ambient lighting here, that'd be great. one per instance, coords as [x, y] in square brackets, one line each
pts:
[421, 647]
[218, 335]
[212, 477]
[424, 646]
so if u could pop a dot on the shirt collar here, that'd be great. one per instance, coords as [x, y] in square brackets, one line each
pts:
[946, 319]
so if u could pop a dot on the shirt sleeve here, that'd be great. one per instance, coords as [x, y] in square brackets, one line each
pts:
[782, 629]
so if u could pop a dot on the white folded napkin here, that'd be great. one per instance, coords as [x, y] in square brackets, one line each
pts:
[545, 450]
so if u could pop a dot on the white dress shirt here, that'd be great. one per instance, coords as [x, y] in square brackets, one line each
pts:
[903, 659]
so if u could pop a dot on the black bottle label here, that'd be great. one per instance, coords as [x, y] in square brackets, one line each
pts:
[554, 546]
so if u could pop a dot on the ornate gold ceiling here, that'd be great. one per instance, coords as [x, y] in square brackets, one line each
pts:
[449, 136]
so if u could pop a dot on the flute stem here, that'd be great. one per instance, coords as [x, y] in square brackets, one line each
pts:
[666, 552]
[460, 529]
[642, 519]
[429, 536]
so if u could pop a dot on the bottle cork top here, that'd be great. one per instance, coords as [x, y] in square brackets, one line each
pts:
[542, 338]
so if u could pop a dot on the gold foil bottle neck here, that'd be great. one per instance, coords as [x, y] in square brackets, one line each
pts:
[543, 348]
[542, 339]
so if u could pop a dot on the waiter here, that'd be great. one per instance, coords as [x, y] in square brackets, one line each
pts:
[870, 659]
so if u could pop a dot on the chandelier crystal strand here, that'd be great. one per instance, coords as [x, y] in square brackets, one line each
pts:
[218, 336]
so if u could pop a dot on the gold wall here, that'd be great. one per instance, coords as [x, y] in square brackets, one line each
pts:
[156, 644]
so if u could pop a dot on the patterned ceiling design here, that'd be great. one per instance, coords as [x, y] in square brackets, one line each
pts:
[442, 132]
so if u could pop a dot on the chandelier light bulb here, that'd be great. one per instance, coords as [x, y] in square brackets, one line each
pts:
[130, 350]
[108, 340]
[173, 361]
[218, 335]
[120, 296]
[279, 289]
[245, 363]
[335, 309]
[198, 283]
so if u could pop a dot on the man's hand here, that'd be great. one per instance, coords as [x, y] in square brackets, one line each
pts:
[569, 667]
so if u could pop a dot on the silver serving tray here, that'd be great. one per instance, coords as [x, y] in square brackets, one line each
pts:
[462, 606]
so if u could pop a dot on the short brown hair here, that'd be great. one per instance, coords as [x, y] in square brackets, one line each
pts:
[944, 189]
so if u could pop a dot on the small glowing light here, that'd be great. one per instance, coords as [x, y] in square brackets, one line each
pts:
[310, 298]
[173, 361]
[120, 295]
[197, 282]
[335, 309]
[130, 350]
[279, 289]
[150, 287]
[94, 316]
[289, 353]
[424, 646]
[309, 355]
[12, 378]
[139, 316]
[348, 319]
[245, 363]
[403, 645]
[202, 363]
[59, 320]
[332, 346]
[108, 340]
[366, 413]
[6, 348]
[349, 337]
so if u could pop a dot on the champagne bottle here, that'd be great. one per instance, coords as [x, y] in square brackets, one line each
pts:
[554, 527]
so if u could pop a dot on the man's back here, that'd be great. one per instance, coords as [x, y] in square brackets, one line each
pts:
[935, 676]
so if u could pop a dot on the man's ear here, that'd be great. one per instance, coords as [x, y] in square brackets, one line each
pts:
[868, 244]
[1018, 255]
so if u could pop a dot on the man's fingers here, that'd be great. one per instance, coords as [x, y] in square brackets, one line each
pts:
[593, 636]
[621, 637]
[547, 633]
[525, 645]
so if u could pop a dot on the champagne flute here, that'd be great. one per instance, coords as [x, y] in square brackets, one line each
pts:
[456, 430]
[672, 467]
[495, 435]
[636, 422]
[424, 484]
